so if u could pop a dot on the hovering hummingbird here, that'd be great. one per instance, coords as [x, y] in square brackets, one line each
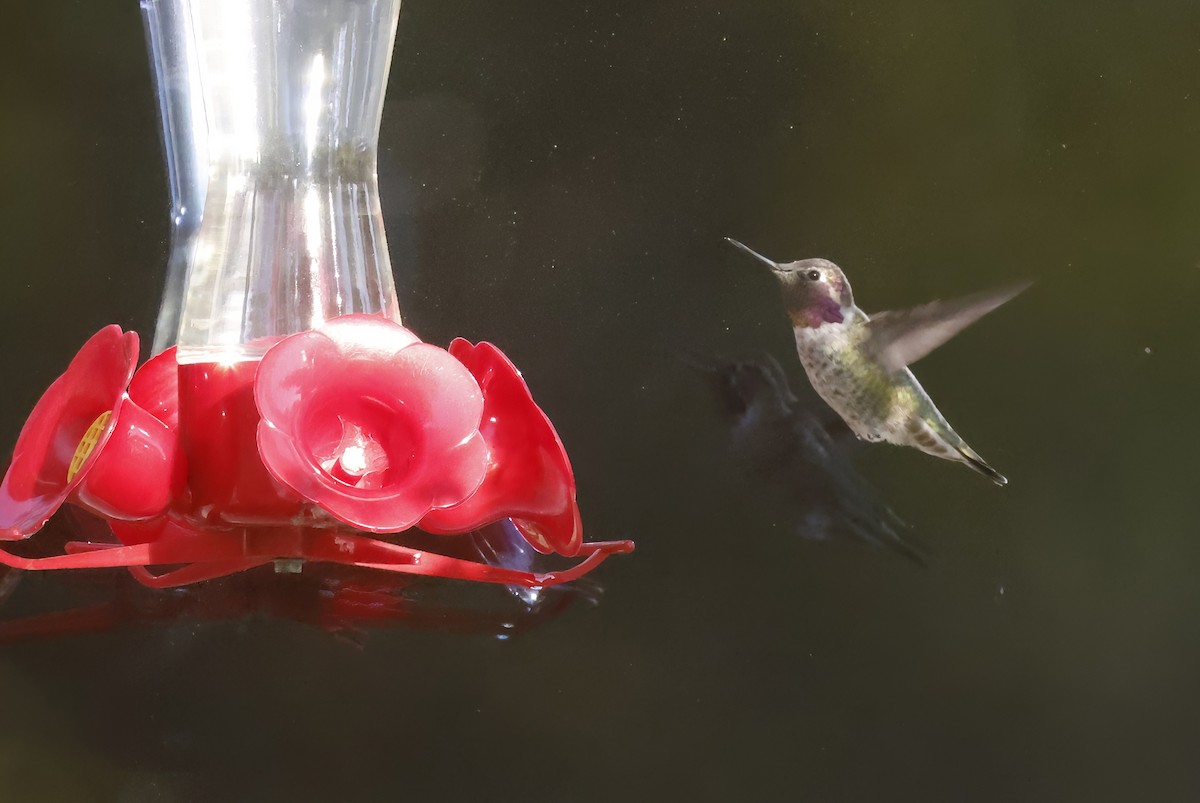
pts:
[859, 364]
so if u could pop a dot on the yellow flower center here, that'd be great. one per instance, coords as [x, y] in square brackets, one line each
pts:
[87, 443]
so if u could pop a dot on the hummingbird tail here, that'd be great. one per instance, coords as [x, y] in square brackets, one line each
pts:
[972, 459]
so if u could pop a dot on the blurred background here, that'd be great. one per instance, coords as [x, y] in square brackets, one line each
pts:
[557, 177]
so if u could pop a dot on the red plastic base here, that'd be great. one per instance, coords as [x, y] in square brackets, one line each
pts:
[207, 554]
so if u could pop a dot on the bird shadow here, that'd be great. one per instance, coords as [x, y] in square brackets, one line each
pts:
[795, 454]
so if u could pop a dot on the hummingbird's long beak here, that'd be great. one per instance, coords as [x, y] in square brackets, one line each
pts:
[771, 263]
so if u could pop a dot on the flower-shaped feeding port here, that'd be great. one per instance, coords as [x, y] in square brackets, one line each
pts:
[529, 477]
[366, 430]
[87, 442]
[369, 423]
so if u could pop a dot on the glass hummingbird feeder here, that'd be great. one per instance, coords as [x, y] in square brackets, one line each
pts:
[287, 415]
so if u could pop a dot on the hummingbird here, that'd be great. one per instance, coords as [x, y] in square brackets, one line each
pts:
[859, 364]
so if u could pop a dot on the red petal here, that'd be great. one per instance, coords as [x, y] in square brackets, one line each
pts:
[530, 478]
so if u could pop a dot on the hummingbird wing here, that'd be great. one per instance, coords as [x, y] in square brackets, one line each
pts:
[899, 338]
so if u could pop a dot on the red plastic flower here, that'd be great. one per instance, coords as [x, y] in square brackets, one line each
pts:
[529, 478]
[369, 423]
[359, 419]
[155, 388]
[87, 442]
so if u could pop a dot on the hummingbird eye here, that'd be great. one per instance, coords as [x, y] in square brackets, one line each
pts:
[813, 275]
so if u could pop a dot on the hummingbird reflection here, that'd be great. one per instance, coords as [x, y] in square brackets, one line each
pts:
[859, 364]
[797, 464]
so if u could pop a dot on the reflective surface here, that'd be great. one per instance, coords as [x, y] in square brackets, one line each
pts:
[559, 177]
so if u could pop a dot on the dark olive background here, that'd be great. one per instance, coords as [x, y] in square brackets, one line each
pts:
[557, 178]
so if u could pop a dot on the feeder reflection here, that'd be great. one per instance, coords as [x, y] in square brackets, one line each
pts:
[343, 601]
[501, 544]
[799, 462]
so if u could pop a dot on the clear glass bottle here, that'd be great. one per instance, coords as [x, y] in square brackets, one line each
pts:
[270, 112]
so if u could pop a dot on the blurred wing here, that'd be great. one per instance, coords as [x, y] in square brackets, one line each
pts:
[898, 339]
